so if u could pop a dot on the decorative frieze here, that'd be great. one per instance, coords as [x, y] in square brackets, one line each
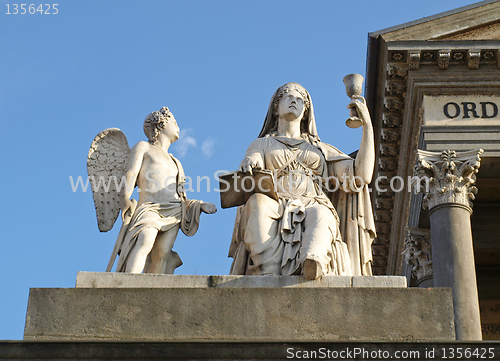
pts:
[394, 104]
[418, 253]
[388, 164]
[385, 204]
[392, 120]
[389, 149]
[428, 55]
[383, 215]
[395, 87]
[384, 231]
[390, 135]
[397, 56]
[448, 176]
[395, 71]
[444, 59]
[473, 58]
[488, 55]
[413, 60]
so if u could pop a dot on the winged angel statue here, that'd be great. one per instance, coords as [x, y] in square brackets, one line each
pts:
[150, 225]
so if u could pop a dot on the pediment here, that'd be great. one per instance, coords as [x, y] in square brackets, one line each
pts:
[472, 22]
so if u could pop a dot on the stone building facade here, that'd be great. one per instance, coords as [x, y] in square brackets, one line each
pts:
[434, 85]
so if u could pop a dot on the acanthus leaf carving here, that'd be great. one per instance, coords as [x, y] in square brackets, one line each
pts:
[418, 253]
[447, 176]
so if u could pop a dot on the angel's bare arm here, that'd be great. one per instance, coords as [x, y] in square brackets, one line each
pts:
[134, 167]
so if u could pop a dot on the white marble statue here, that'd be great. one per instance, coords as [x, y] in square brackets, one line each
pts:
[150, 226]
[312, 229]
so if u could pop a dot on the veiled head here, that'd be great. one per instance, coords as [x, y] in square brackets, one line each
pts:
[307, 123]
[155, 122]
[283, 90]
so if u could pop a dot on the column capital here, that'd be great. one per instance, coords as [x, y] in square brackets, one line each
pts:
[447, 177]
[418, 253]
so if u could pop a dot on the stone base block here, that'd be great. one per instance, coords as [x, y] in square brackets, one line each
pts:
[129, 280]
[240, 314]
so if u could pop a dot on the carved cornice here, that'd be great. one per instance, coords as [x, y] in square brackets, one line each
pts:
[412, 59]
[418, 253]
[448, 177]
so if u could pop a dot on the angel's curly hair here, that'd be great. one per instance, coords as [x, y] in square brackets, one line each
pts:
[155, 122]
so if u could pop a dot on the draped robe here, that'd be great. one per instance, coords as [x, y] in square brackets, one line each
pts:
[313, 180]
[164, 217]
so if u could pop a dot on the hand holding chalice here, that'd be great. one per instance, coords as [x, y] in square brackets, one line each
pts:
[354, 89]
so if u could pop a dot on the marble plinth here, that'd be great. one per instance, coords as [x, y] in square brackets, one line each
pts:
[226, 313]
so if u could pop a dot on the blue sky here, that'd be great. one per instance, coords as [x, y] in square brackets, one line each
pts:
[100, 64]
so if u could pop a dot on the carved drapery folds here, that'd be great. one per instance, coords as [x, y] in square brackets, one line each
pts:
[448, 177]
[418, 253]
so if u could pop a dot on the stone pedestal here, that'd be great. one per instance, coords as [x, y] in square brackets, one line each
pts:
[229, 308]
[451, 176]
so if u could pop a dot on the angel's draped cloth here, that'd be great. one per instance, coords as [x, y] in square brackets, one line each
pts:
[315, 180]
[164, 217]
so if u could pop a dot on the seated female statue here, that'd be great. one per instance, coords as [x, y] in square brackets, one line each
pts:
[322, 222]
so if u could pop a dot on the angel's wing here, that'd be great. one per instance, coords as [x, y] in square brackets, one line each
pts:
[106, 165]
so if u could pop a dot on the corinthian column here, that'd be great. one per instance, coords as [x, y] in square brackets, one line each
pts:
[448, 180]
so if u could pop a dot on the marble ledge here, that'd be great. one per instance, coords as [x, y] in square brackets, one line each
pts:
[128, 280]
